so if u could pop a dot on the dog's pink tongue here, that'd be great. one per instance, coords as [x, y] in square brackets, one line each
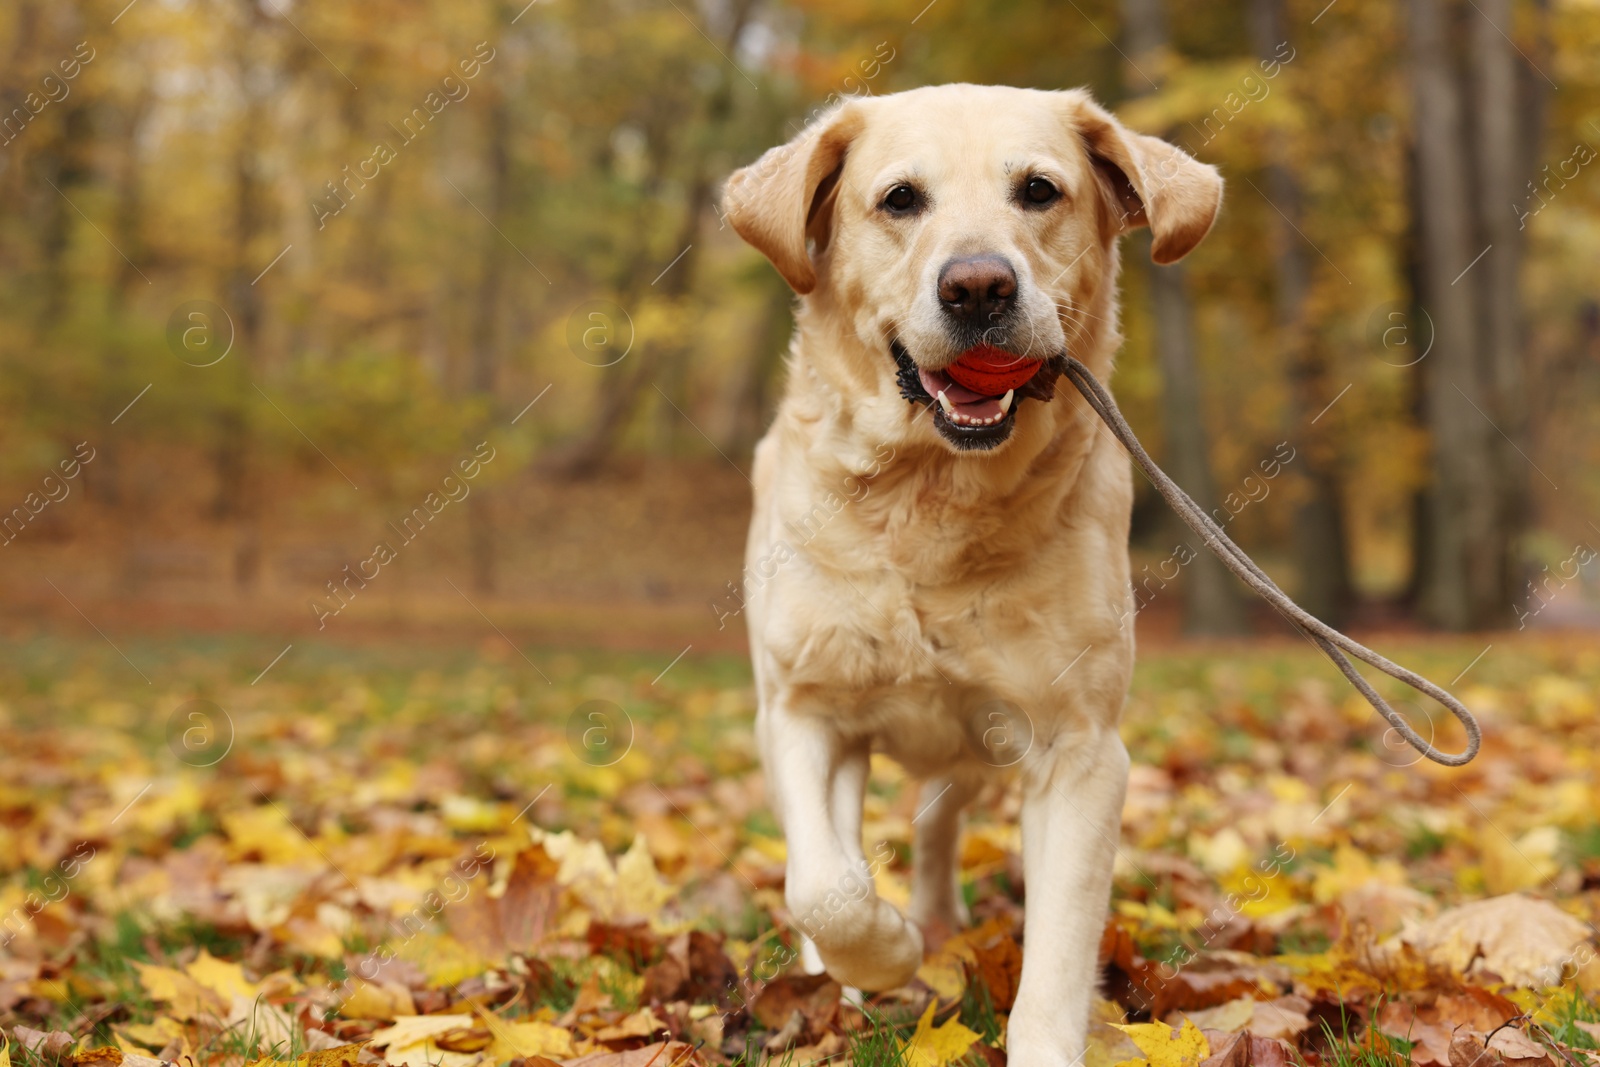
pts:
[967, 403]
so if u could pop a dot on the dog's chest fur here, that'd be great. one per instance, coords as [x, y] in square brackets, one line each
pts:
[929, 611]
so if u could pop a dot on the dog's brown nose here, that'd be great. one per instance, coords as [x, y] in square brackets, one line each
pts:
[977, 288]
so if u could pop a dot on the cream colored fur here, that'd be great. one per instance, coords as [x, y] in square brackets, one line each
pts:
[913, 599]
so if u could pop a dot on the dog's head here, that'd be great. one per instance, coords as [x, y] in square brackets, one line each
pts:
[966, 231]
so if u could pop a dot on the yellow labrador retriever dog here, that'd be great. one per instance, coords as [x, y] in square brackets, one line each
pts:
[939, 571]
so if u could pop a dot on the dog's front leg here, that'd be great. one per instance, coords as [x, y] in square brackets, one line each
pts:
[1071, 817]
[816, 781]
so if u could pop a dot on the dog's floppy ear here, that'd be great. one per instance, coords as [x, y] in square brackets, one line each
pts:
[786, 196]
[1149, 182]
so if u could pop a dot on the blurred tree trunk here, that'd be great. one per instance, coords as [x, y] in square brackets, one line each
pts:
[619, 395]
[1468, 276]
[1466, 583]
[106, 481]
[1503, 165]
[749, 393]
[1321, 549]
[485, 328]
[239, 484]
[1212, 605]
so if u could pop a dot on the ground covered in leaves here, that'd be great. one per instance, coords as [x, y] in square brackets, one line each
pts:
[419, 856]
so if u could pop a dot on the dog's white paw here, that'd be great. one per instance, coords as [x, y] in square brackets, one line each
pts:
[871, 946]
[1043, 1040]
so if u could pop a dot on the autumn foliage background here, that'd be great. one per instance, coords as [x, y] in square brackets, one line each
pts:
[282, 282]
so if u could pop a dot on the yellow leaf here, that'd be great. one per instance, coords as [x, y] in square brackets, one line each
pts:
[368, 1000]
[221, 977]
[1352, 868]
[266, 831]
[1164, 1046]
[526, 1039]
[943, 975]
[443, 959]
[640, 891]
[338, 1056]
[642, 1023]
[5, 1051]
[411, 1040]
[189, 999]
[932, 1046]
[157, 1034]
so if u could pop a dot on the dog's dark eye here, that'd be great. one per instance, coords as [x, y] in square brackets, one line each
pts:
[1039, 191]
[902, 200]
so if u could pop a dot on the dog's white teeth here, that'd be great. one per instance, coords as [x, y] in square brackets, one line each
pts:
[944, 402]
[1005, 402]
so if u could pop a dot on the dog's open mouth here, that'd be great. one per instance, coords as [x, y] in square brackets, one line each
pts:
[965, 417]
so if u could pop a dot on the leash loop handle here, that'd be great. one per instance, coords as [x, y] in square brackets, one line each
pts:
[1333, 643]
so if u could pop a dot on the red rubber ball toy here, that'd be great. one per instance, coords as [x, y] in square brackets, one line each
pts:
[991, 371]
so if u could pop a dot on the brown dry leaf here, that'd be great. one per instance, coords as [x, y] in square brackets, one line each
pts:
[1382, 908]
[1431, 1040]
[787, 1034]
[816, 996]
[475, 922]
[1230, 1018]
[634, 942]
[829, 1049]
[643, 1023]
[129, 1059]
[590, 998]
[1246, 1049]
[1475, 1008]
[1518, 1049]
[1193, 988]
[528, 906]
[1128, 977]
[1522, 939]
[1466, 1050]
[661, 1054]
[693, 968]
[47, 1044]
[1282, 1018]
[1000, 968]
[1228, 1048]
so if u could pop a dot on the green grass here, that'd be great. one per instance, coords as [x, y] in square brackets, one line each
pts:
[1571, 1008]
[1373, 1049]
[878, 1044]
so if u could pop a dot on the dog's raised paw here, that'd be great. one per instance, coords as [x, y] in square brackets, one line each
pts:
[871, 946]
